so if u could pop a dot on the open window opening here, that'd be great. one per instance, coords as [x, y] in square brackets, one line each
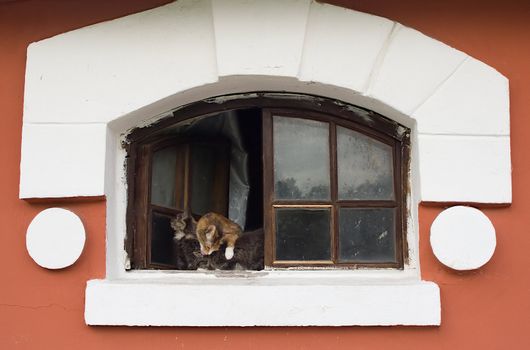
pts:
[308, 185]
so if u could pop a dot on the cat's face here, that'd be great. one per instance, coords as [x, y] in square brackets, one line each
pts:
[209, 240]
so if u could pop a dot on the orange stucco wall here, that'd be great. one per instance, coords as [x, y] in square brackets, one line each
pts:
[484, 309]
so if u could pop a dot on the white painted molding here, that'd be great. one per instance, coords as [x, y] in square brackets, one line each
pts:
[252, 304]
[353, 41]
[101, 72]
[465, 168]
[259, 37]
[473, 101]
[131, 70]
[412, 68]
[463, 238]
[62, 160]
[86, 88]
[55, 238]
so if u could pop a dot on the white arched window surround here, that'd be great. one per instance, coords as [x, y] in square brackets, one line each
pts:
[87, 88]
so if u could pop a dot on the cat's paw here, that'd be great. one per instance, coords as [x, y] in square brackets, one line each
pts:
[229, 253]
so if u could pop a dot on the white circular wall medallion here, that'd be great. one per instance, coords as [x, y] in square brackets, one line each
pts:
[463, 238]
[55, 238]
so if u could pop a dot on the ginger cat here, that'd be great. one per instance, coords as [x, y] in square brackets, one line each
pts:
[248, 255]
[213, 230]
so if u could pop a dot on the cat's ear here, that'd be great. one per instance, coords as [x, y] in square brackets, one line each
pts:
[210, 232]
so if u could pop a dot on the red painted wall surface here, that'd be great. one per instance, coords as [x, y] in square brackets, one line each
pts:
[484, 309]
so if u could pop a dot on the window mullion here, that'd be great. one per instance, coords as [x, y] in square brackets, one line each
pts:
[334, 191]
[400, 220]
[268, 188]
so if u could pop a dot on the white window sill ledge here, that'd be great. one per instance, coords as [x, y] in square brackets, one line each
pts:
[159, 302]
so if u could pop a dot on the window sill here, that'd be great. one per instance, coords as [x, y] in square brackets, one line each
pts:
[260, 299]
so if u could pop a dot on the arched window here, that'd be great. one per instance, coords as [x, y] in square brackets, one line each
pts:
[317, 183]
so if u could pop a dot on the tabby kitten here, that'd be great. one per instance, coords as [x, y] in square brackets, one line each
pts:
[185, 242]
[184, 226]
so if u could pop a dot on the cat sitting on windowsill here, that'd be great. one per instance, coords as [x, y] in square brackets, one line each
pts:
[198, 245]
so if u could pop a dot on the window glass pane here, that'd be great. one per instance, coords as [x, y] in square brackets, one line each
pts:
[364, 167]
[163, 177]
[366, 235]
[162, 248]
[301, 159]
[302, 234]
[204, 163]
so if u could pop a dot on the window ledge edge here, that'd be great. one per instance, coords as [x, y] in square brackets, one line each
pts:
[110, 302]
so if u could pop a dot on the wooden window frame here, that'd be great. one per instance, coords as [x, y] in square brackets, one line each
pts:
[366, 122]
[334, 204]
[143, 208]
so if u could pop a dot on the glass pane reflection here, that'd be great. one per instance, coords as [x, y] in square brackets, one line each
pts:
[366, 235]
[301, 159]
[364, 167]
[163, 177]
[302, 234]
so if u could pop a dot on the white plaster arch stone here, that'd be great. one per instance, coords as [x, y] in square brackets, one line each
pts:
[108, 77]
